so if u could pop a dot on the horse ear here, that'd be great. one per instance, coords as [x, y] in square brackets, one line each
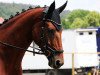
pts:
[60, 9]
[50, 10]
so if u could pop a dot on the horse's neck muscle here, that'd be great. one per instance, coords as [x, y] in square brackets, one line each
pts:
[21, 28]
[14, 19]
[18, 33]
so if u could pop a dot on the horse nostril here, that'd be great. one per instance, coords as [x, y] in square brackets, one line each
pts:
[58, 63]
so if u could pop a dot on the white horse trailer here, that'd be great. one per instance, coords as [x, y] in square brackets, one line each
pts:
[81, 42]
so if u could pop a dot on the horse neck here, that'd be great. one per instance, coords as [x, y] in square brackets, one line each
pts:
[17, 32]
[19, 29]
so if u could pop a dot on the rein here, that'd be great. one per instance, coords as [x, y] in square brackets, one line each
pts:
[10, 45]
[34, 52]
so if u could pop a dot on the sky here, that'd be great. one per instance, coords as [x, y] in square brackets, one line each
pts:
[93, 5]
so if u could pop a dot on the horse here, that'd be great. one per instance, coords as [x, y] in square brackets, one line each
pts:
[41, 25]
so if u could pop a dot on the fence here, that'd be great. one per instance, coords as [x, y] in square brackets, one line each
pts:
[73, 55]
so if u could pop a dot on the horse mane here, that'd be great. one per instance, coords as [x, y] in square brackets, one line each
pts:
[14, 17]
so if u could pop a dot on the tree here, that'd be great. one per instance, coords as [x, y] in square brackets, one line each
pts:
[71, 17]
[81, 19]
[78, 23]
[93, 19]
[77, 14]
[8, 9]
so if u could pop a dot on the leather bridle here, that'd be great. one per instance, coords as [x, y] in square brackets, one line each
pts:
[46, 48]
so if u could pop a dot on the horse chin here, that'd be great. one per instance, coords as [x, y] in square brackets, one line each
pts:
[54, 66]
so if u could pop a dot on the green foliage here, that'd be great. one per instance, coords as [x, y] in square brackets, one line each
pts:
[7, 9]
[77, 14]
[81, 19]
[78, 23]
[93, 19]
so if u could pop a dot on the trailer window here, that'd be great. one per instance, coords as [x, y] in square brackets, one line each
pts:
[81, 33]
[90, 33]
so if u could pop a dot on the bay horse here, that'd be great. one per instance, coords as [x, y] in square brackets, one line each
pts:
[41, 25]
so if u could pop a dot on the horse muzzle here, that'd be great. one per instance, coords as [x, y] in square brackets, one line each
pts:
[55, 63]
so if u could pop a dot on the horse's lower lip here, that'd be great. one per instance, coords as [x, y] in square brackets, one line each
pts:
[56, 67]
[53, 65]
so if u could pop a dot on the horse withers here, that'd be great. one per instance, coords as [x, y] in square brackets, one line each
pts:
[41, 25]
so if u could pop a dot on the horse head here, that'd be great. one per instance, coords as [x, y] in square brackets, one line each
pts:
[47, 34]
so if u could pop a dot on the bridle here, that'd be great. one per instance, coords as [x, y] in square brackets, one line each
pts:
[46, 48]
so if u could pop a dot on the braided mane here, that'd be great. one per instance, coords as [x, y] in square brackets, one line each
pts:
[18, 13]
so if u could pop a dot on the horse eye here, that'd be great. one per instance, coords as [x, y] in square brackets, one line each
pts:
[51, 31]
